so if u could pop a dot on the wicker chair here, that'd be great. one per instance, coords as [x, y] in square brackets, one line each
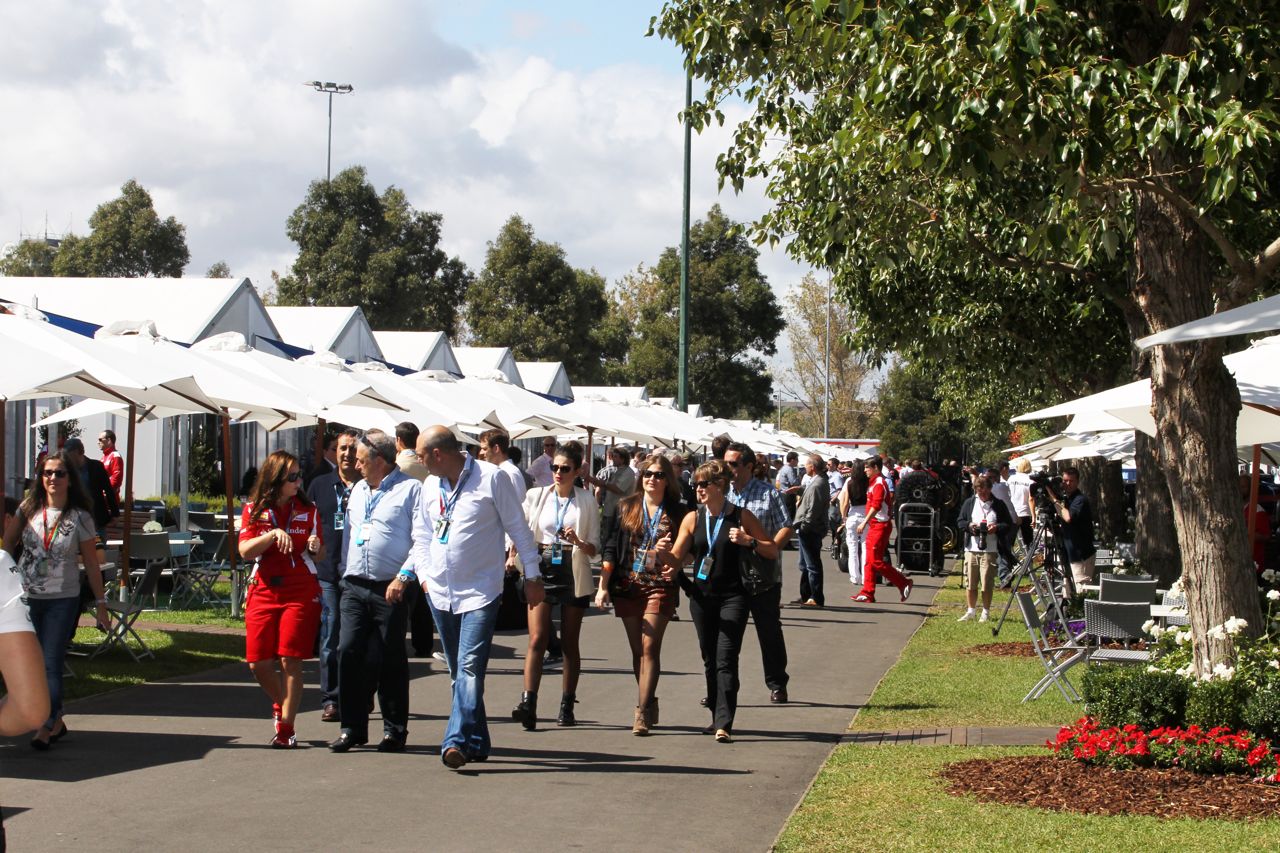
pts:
[1111, 620]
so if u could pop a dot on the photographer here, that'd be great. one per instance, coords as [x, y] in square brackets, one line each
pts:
[984, 520]
[1074, 509]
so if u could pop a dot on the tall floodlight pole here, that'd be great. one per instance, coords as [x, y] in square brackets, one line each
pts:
[330, 89]
[826, 400]
[682, 390]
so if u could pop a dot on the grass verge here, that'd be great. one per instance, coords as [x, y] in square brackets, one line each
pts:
[887, 798]
[933, 685]
[177, 653]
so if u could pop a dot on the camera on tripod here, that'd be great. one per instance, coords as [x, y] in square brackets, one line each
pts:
[1042, 486]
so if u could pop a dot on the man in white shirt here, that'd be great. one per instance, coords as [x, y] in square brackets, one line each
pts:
[406, 451]
[540, 468]
[495, 449]
[459, 557]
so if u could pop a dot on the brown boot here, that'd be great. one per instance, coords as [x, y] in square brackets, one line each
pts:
[641, 726]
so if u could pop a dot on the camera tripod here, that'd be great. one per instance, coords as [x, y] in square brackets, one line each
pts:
[1051, 579]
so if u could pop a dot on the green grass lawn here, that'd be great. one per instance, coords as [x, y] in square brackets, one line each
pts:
[886, 798]
[934, 685]
[177, 653]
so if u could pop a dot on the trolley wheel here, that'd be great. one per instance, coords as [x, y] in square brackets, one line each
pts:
[950, 494]
[950, 538]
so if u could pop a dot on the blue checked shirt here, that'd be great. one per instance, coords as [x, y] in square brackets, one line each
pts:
[764, 502]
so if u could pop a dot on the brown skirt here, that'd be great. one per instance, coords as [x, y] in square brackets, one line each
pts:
[648, 599]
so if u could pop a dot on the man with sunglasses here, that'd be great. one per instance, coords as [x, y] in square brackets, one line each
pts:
[540, 468]
[764, 593]
[330, 493]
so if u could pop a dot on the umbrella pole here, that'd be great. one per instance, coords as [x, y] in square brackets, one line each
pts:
[591, 456]
[4, 410]
[123, 571]
[231, 517]
[318, 453]
[1253, 496]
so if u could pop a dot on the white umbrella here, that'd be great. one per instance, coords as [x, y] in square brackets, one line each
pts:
[1260, 316]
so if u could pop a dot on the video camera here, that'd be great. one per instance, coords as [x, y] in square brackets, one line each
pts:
[1042, 485]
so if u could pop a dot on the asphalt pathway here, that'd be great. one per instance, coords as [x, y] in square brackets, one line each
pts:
[183, 764]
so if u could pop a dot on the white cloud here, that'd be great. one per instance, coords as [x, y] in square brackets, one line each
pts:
[206, 109]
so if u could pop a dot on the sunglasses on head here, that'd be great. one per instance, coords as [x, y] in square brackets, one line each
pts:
[53, 473]
[292, 477]
[561, 469]
[654, 475]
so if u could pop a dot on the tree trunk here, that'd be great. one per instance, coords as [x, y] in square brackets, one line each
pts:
[1195, 403]
[1154, 536]
[1112, 506]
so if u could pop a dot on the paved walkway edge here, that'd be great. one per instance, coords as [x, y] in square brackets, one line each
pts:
[844, 738]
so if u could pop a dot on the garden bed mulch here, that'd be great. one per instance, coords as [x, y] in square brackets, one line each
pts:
[1063, 785]
[1024, 649]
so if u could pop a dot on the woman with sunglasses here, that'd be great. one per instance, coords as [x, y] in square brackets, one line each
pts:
[638, 577]
[280, 532]
[566, 525]
[717, 535]
[55, 528]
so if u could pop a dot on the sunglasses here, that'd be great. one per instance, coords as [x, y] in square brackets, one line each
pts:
[561, 469]
[738, 463]
[53, 473]
[293, 477]
[702, 484]
[654, 475]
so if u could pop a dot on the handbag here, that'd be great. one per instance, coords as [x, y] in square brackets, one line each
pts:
[759, 573]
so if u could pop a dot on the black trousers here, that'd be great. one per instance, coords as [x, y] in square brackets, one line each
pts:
[372, 628]
[422, 628]
[766, 613]
[721, 621]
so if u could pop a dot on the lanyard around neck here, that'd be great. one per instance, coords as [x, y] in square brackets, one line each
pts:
[448, 502]
[713, 535]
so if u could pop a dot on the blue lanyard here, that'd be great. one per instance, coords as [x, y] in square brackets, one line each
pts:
[712, 536]
[561, 511]
[651, 525]
[447, 503]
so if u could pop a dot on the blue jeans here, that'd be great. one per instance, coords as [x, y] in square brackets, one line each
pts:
[466, 639]
[811, 566]
[54, 620]
[330, 620]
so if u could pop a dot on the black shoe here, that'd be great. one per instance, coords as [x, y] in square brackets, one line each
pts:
[54, 738]
[778, 697]
[566, 718]
[391, 743]
[526, 713]
[344, 742]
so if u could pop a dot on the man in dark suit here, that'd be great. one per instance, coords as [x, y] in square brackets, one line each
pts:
[96, 484]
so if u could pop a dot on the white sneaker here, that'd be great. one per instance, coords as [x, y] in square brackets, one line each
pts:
[984, 616]
[968, 614]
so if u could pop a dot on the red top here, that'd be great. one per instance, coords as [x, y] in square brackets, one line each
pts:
[301, 523]
[878, 500]
[1261, 524]
[115, 469]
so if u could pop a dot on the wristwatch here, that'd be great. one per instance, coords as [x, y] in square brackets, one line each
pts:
[406, 577]
[755, 543]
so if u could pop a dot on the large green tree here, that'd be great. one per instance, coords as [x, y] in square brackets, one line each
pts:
[126, 239]
[734, 322]
[356, 247]
[527, 297]
[1140, 129]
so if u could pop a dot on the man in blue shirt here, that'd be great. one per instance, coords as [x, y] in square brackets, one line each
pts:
[764, 593]
[379, 527]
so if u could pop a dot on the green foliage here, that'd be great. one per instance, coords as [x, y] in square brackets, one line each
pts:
[127, 239]
[358, 248]
[734, 320]
[530, 299]
[912, 419]
[213, 501]
[219, 269]
[202, 469]
[1130, 695]
[1261, 713]
[1216, 703]
[30, 258]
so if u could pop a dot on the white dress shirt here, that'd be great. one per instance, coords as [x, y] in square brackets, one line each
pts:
[517, 476]
[465, 573]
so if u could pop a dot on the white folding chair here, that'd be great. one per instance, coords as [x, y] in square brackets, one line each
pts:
[1056, 659]
[124, 614]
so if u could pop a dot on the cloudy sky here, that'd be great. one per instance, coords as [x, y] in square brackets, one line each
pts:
[559, 110]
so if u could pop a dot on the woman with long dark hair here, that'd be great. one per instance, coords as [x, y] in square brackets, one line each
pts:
[717, 535]
[280, 531]
[853, 509]
[55, 528]
[566, 525]
[639, 578]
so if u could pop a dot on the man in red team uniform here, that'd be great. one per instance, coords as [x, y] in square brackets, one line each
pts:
[878, 524]
[112, 460]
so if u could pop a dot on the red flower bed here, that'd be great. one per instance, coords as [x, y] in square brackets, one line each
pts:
[1218, 750]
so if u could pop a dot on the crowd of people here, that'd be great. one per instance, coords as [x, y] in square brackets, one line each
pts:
[416, 533]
